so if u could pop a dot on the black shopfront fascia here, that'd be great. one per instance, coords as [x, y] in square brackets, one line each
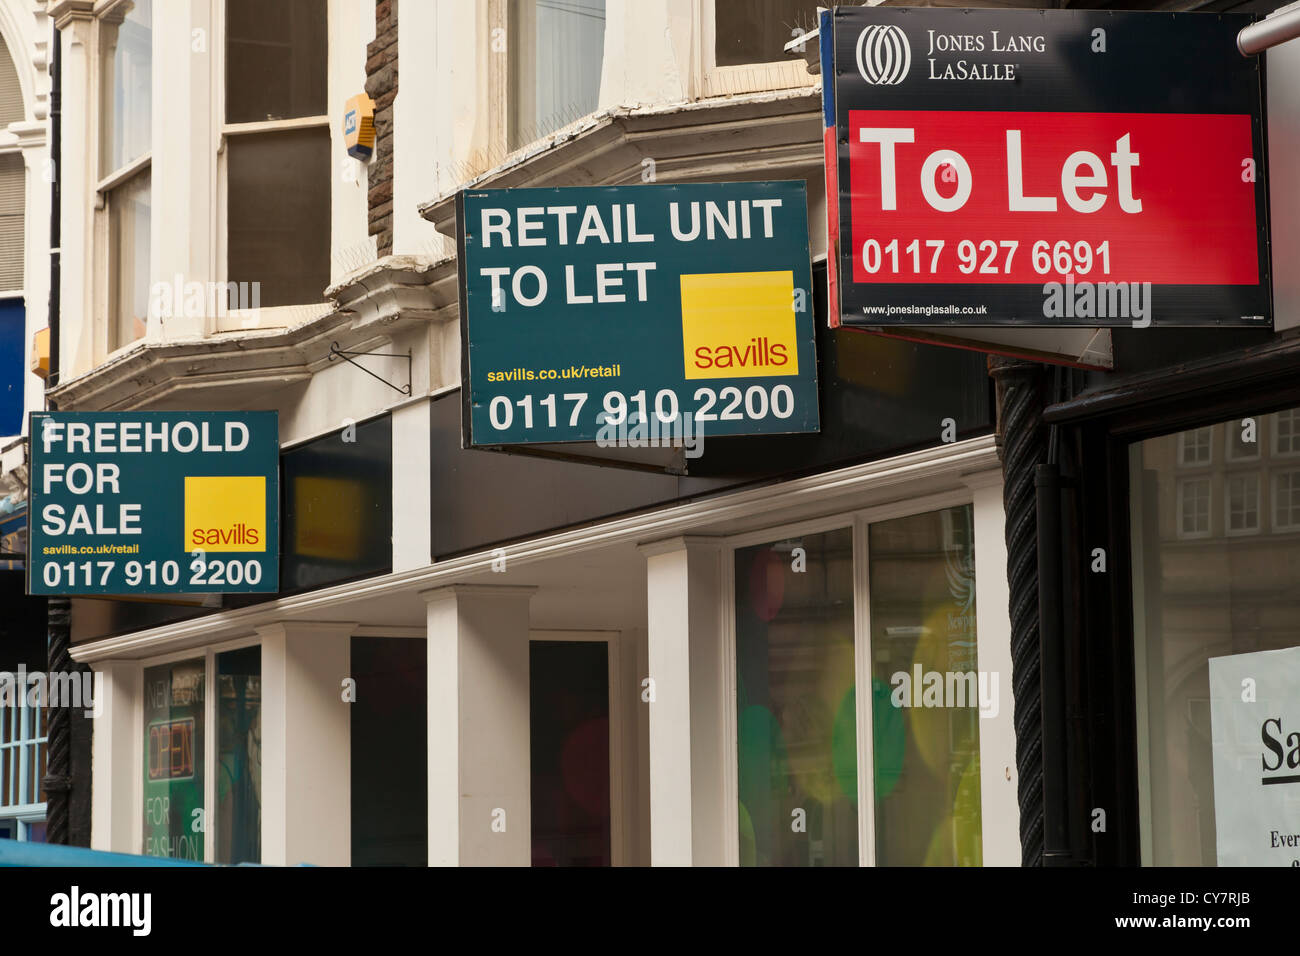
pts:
[1177, 380]
[879, 397]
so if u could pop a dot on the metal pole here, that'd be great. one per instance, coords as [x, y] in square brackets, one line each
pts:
[1023, 447]
[1280, 26]
[57, 781]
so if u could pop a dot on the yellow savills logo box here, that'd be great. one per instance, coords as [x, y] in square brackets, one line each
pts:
[224, 513]
[739, 325]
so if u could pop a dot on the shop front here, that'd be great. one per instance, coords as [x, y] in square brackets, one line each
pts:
[594, 665]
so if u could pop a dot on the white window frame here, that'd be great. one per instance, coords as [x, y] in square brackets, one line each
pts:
[1293, 415]
[107, 260]
[860, 521]
[1275, 494]
[1209, 511]
[208, 655]
[620, 837]
[1228, 530]
[1182, 448]
[789, 73]
[20, 747]
[231, 320]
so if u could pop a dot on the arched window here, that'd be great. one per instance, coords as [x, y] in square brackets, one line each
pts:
[11, 92]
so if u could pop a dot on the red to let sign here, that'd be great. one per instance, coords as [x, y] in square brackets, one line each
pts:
[982, 197]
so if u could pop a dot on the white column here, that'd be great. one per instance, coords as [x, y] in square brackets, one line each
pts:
[183, 177]
[306, 744]
[480, 811]
[412, 528]
[688, 782]
[116, 756]
[77, 171]
[999, 808]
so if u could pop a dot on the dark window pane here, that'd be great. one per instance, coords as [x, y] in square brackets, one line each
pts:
[338, 507]
[390, 808]
[569, 724]
[279, 214]
[754, 31]
[276, 59]
[796, 702]
[239, 756]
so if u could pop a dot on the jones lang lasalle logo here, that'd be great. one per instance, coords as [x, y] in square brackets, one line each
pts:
[884, 54]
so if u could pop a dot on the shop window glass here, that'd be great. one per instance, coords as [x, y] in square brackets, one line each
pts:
[1286, 501]
[796, 710]
[556, 48]
[926, 690]
[173, 760]
[1193, 507]
[1213, 597]
[1286, 432]
[239, 756]
[1196, 447]
[338, 507]
[569, 739]
[1242, 499]
[1242, 439]
[756, 31]
[390, 766]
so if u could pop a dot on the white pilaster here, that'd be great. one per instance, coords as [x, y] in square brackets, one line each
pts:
[183, 216]
[480, 810]
[306, 744]
[999, 807]
[412, 527]
[76, 172]
[116, 758]
[687, 721]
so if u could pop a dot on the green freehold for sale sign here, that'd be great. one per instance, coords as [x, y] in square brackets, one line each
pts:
[133, 503]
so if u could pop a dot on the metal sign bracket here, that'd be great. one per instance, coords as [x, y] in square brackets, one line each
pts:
[336, 352]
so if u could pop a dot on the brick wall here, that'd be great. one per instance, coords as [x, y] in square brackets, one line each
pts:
[381, 86]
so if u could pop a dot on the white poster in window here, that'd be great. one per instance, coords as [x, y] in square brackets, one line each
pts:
[1255, 717]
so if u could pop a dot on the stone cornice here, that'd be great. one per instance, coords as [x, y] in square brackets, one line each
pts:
[63, 12]
[775, 134]
[387, 296]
